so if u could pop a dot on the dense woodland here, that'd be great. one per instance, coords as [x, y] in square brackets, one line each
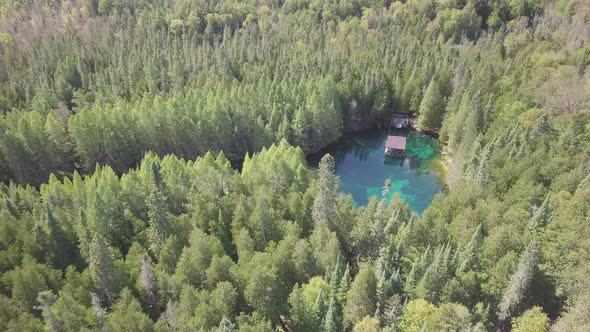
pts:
[120, 210]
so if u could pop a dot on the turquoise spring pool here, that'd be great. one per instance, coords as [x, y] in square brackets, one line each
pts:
[363, 167]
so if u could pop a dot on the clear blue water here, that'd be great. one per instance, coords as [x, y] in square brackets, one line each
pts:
[363, 167]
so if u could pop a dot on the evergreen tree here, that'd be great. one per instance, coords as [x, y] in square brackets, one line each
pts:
[330, 321]
[226, 325]
[435, 276]
[514, 295]
[103, 271]
[319, 310]
[432, 107]
[417, 271]
[469, 253]
[343, 287]
[127, 315]
[30, 279]
[325, 201]
[148, 285]
[46, 299]
[60, 247]
[158, 213]
[361, 297]
[263, 290]
[540, 216]
[196, 258]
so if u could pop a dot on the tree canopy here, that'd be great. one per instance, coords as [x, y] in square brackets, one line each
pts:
[121, 123]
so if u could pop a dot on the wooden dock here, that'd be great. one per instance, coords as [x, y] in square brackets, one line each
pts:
[400, 121]
[396, 145]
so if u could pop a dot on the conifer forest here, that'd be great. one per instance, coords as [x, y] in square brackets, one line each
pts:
[154, 171]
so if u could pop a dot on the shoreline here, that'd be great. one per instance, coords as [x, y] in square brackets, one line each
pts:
[452, 173]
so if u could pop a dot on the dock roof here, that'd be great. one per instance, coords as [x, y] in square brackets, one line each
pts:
[396, 142]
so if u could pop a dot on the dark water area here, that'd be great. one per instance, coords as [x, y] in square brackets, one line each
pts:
[363, 167]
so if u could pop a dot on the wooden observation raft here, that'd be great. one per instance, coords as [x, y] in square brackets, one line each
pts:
[396, 145]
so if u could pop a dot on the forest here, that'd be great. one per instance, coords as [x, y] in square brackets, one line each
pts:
[121, 122]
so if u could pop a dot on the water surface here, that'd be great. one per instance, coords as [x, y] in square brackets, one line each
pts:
[363, 167]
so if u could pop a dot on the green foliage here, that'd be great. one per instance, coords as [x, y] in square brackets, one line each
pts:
[420, 314]
[361, 297]
[415, 315]
[196, 258]
[514, 295]
[28, 280]
[120, 209]
[325, 202]
[533, 319]
[103, 270]
[432, 107]
[127, 314]
[450, 317]
[368, 324]
[309, 305]
[226, 325]
[455, 23]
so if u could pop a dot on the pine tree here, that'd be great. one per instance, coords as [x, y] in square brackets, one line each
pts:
[393, 223]
[435, 276]
[302, 132]
[336, 274]
[99, 312]
[104, 211]
[284, 130]
[318, 310]
[158, 213]
[514, 295]
[127, 315]
[226, 325]
[67, 80]
[387, 274]
[46, 300]
[147, 281]
[324, 204]
[103, 270]
[361, 299]
[472, 125]
[472, 160]
[330, 321]
[343, 287]
[263, 223]
[468, 255]
[417, 271]
[457, 122]
[382, 291]
[431, 108]
[170, 316]
[377, 228]
[541, 214]
[61, 248]
[28, 280]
